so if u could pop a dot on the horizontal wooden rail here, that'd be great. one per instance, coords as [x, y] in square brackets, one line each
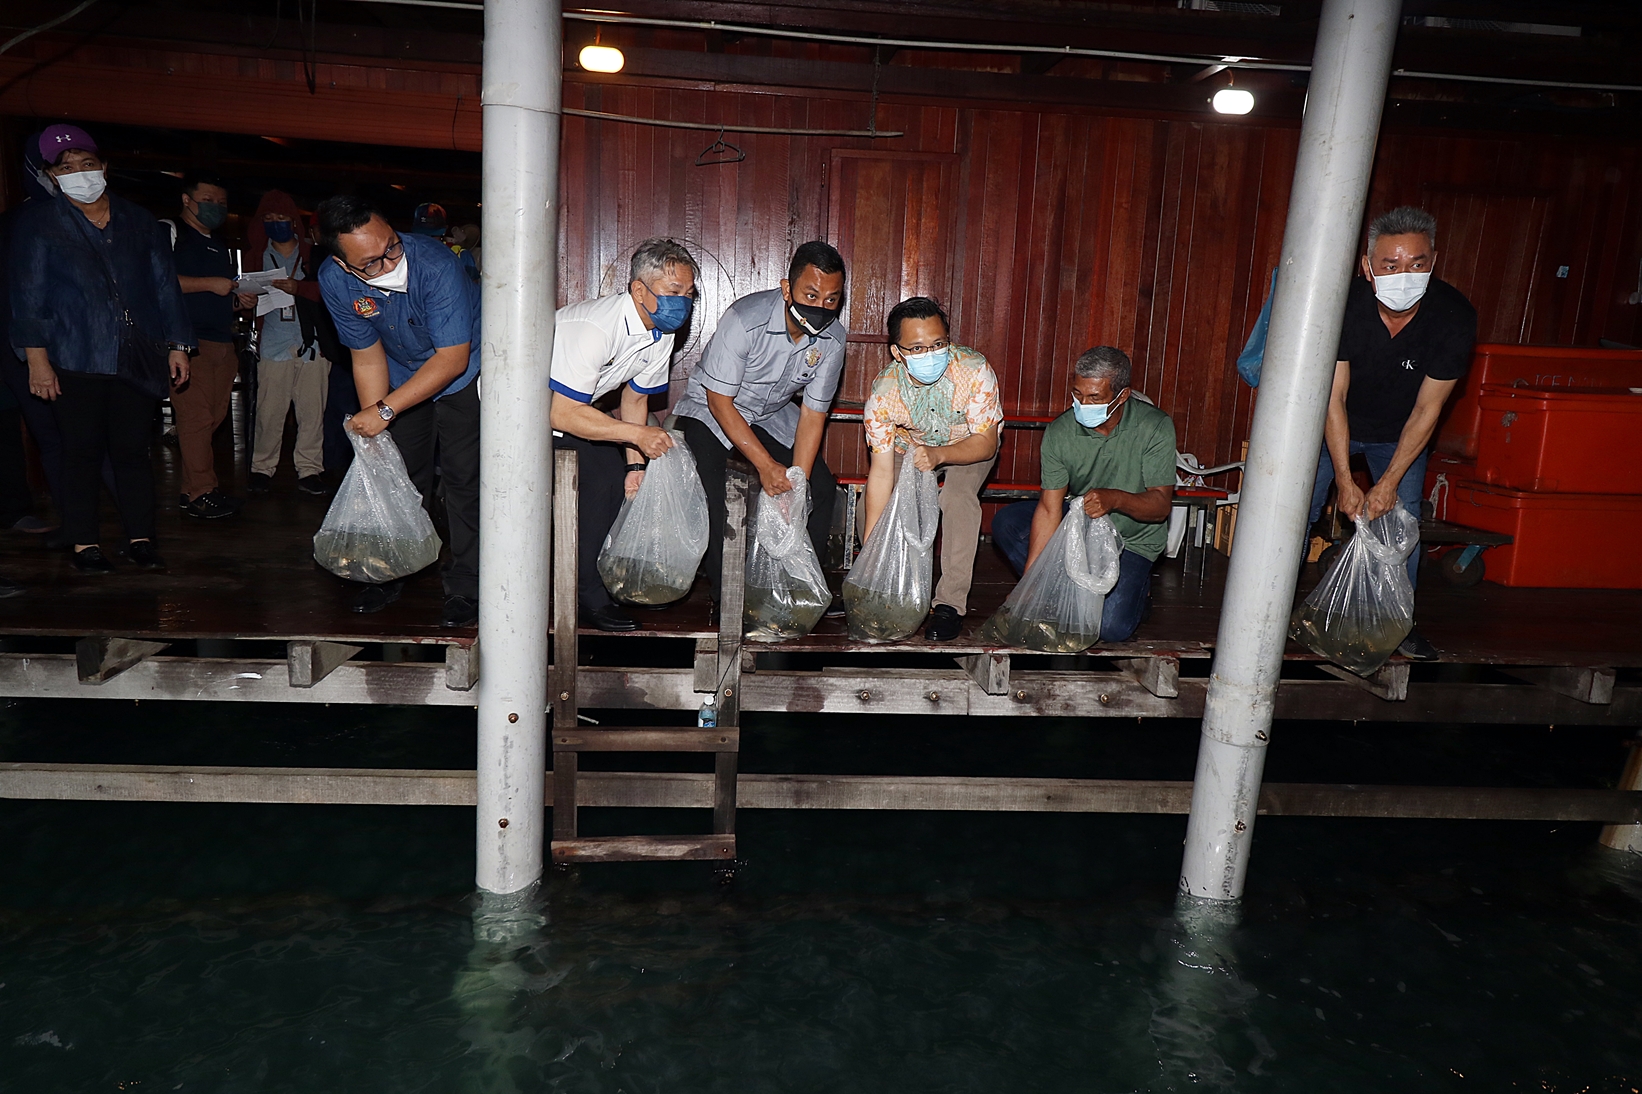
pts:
[688, 790]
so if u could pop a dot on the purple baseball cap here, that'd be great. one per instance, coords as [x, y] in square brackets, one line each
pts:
[59, 138]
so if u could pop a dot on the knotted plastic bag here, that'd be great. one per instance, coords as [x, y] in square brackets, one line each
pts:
[1363, 608]
[658, 538]
[1057, 606]
[786, 588]
[886, 595]
[376, 530]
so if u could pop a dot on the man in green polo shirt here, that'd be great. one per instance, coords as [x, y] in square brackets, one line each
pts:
[1118, 452]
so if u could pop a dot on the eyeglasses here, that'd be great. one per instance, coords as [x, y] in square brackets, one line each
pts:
[374, 268]
[921, 349]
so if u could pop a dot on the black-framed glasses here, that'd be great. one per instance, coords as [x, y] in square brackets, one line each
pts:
[374, 268]
[934, 347]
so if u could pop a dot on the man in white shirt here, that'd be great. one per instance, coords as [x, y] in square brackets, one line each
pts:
[622, 341]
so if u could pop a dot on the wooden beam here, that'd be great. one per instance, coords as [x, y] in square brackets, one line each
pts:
[562, 694]
[1627, 837]
[989, 670]
[99, 660]
[706, 665]
[647, 740]
[461, 667]
[1388, 682]
[644, 849]
[307, 663]
[1158, 675]
[1588, 685]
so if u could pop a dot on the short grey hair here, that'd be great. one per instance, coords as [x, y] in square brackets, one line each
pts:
[1402, 221]
[1106, 362]
[653, 256]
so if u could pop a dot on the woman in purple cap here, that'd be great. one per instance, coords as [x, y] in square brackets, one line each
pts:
[94, 299]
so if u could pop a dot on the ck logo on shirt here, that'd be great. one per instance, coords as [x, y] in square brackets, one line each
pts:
[1410, 364]
[365, 307]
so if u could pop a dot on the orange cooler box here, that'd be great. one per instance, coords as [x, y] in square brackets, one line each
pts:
[1534, 366]
[1562, 541]
[1563, 440]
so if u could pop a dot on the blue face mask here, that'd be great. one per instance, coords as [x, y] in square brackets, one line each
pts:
[926, 368]
[670, 314]
[1091, 415]
[279, 231]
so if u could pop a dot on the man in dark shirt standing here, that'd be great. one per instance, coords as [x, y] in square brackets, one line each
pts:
[205, 269]
[1405, 343]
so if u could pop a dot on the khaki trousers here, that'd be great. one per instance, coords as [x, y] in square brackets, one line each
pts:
[281, 384]
[961, 487]
[200, 406]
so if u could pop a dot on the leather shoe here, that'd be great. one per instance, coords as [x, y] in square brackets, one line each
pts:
[259, 483]
[142, 554]
[608, 617]
[376, 597]
[92, 561]
[460, 611]
[313, 484]
[945, 624]
[1417, 647]
[835, 610]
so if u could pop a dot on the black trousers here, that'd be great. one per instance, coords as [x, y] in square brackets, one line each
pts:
[601, 470]
[100, 416]
[712, 461]
[443, 435]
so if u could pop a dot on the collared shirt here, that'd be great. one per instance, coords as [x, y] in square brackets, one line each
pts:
[281, 338]
[752, 360]
[601, 344]
[973, 407]
[1138, 454]
[439, 310]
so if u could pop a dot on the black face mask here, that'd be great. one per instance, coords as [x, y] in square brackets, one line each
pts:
[812, 318]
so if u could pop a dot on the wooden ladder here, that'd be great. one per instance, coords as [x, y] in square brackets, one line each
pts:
[720, 673]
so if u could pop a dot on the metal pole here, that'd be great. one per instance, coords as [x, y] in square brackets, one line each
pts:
[521, 88]
[1342, 119]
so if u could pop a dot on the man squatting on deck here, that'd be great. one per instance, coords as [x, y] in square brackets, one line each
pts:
[410, 314]
[1118, 451]
[936, 402]
[620, 341]
[1405, 343]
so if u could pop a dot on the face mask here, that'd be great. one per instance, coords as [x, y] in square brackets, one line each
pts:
[1092, 415]
[210, 214]
[84, 187]
[926, 368]
[1399, 292]
[670, 314]
[394, 280]
[279, 231]
[813, 319]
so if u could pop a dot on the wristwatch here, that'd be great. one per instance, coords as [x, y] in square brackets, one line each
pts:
[385, 410]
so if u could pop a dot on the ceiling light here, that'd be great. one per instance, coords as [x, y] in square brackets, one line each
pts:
[1233, 100]
[597, 58]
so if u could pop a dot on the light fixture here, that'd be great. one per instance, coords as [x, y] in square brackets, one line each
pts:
[1233, 100]
[598, 58]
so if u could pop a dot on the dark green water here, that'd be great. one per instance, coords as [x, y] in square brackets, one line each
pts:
[153, 947]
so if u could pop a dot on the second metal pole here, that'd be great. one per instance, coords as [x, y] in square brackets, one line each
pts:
[1350, 68]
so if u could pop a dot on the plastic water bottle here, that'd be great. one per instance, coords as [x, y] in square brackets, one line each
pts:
[707, 716]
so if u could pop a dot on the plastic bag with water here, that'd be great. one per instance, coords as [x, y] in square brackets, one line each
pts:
[376, 529]
[787, 590]
[655, 545]
[1057, 606]
[1363, 608]
[887, 592]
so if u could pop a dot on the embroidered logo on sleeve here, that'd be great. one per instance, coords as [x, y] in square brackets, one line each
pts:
[365, 307]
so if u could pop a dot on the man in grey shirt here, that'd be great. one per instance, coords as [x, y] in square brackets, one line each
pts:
[769, 347]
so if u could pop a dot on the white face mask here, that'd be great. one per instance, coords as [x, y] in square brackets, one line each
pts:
[394, 280]
[1399, 292]
[84, 187]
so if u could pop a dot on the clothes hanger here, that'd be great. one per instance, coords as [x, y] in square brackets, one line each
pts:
[719, 152]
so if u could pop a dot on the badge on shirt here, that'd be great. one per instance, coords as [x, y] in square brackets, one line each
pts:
[811, 360]
[365, 307]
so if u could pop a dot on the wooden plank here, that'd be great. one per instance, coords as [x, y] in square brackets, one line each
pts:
[308, 663]
[1158, 675]
[706, 665]
[277, 785]
[740, 490]
[1627, 837]
[647, 740]
[102, 659]
[644, 849]
[990, 671]
[461, 667]
[1588, 685]
[1388, 682]
[561, 677]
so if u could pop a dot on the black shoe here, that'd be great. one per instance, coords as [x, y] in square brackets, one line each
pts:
[460, 611]
[1416, 647]
[92, 561]
[945, 624]
[376, 597]
[835, 610]
[610, 618]
[10, 589]
[212, 505]
[260, 483]
[143, 555]
[32, 525]
[313, 484]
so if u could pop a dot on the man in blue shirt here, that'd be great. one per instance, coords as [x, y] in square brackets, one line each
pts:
[409, 313]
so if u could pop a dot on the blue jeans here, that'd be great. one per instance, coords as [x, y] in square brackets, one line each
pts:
[1125, 604]
[1410, 492]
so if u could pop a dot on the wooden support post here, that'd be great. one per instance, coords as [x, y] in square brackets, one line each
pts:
[461, 667]
[561, 679]
[738, 498]
[989, 670]
[1627, 837]
[1588, 685]
[1158, 675]
[100, 659]
[307, 663]
[1389, 682]
[706, 665]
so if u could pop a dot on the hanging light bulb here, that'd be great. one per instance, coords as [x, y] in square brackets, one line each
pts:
[1232, 100]
[600, 58]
